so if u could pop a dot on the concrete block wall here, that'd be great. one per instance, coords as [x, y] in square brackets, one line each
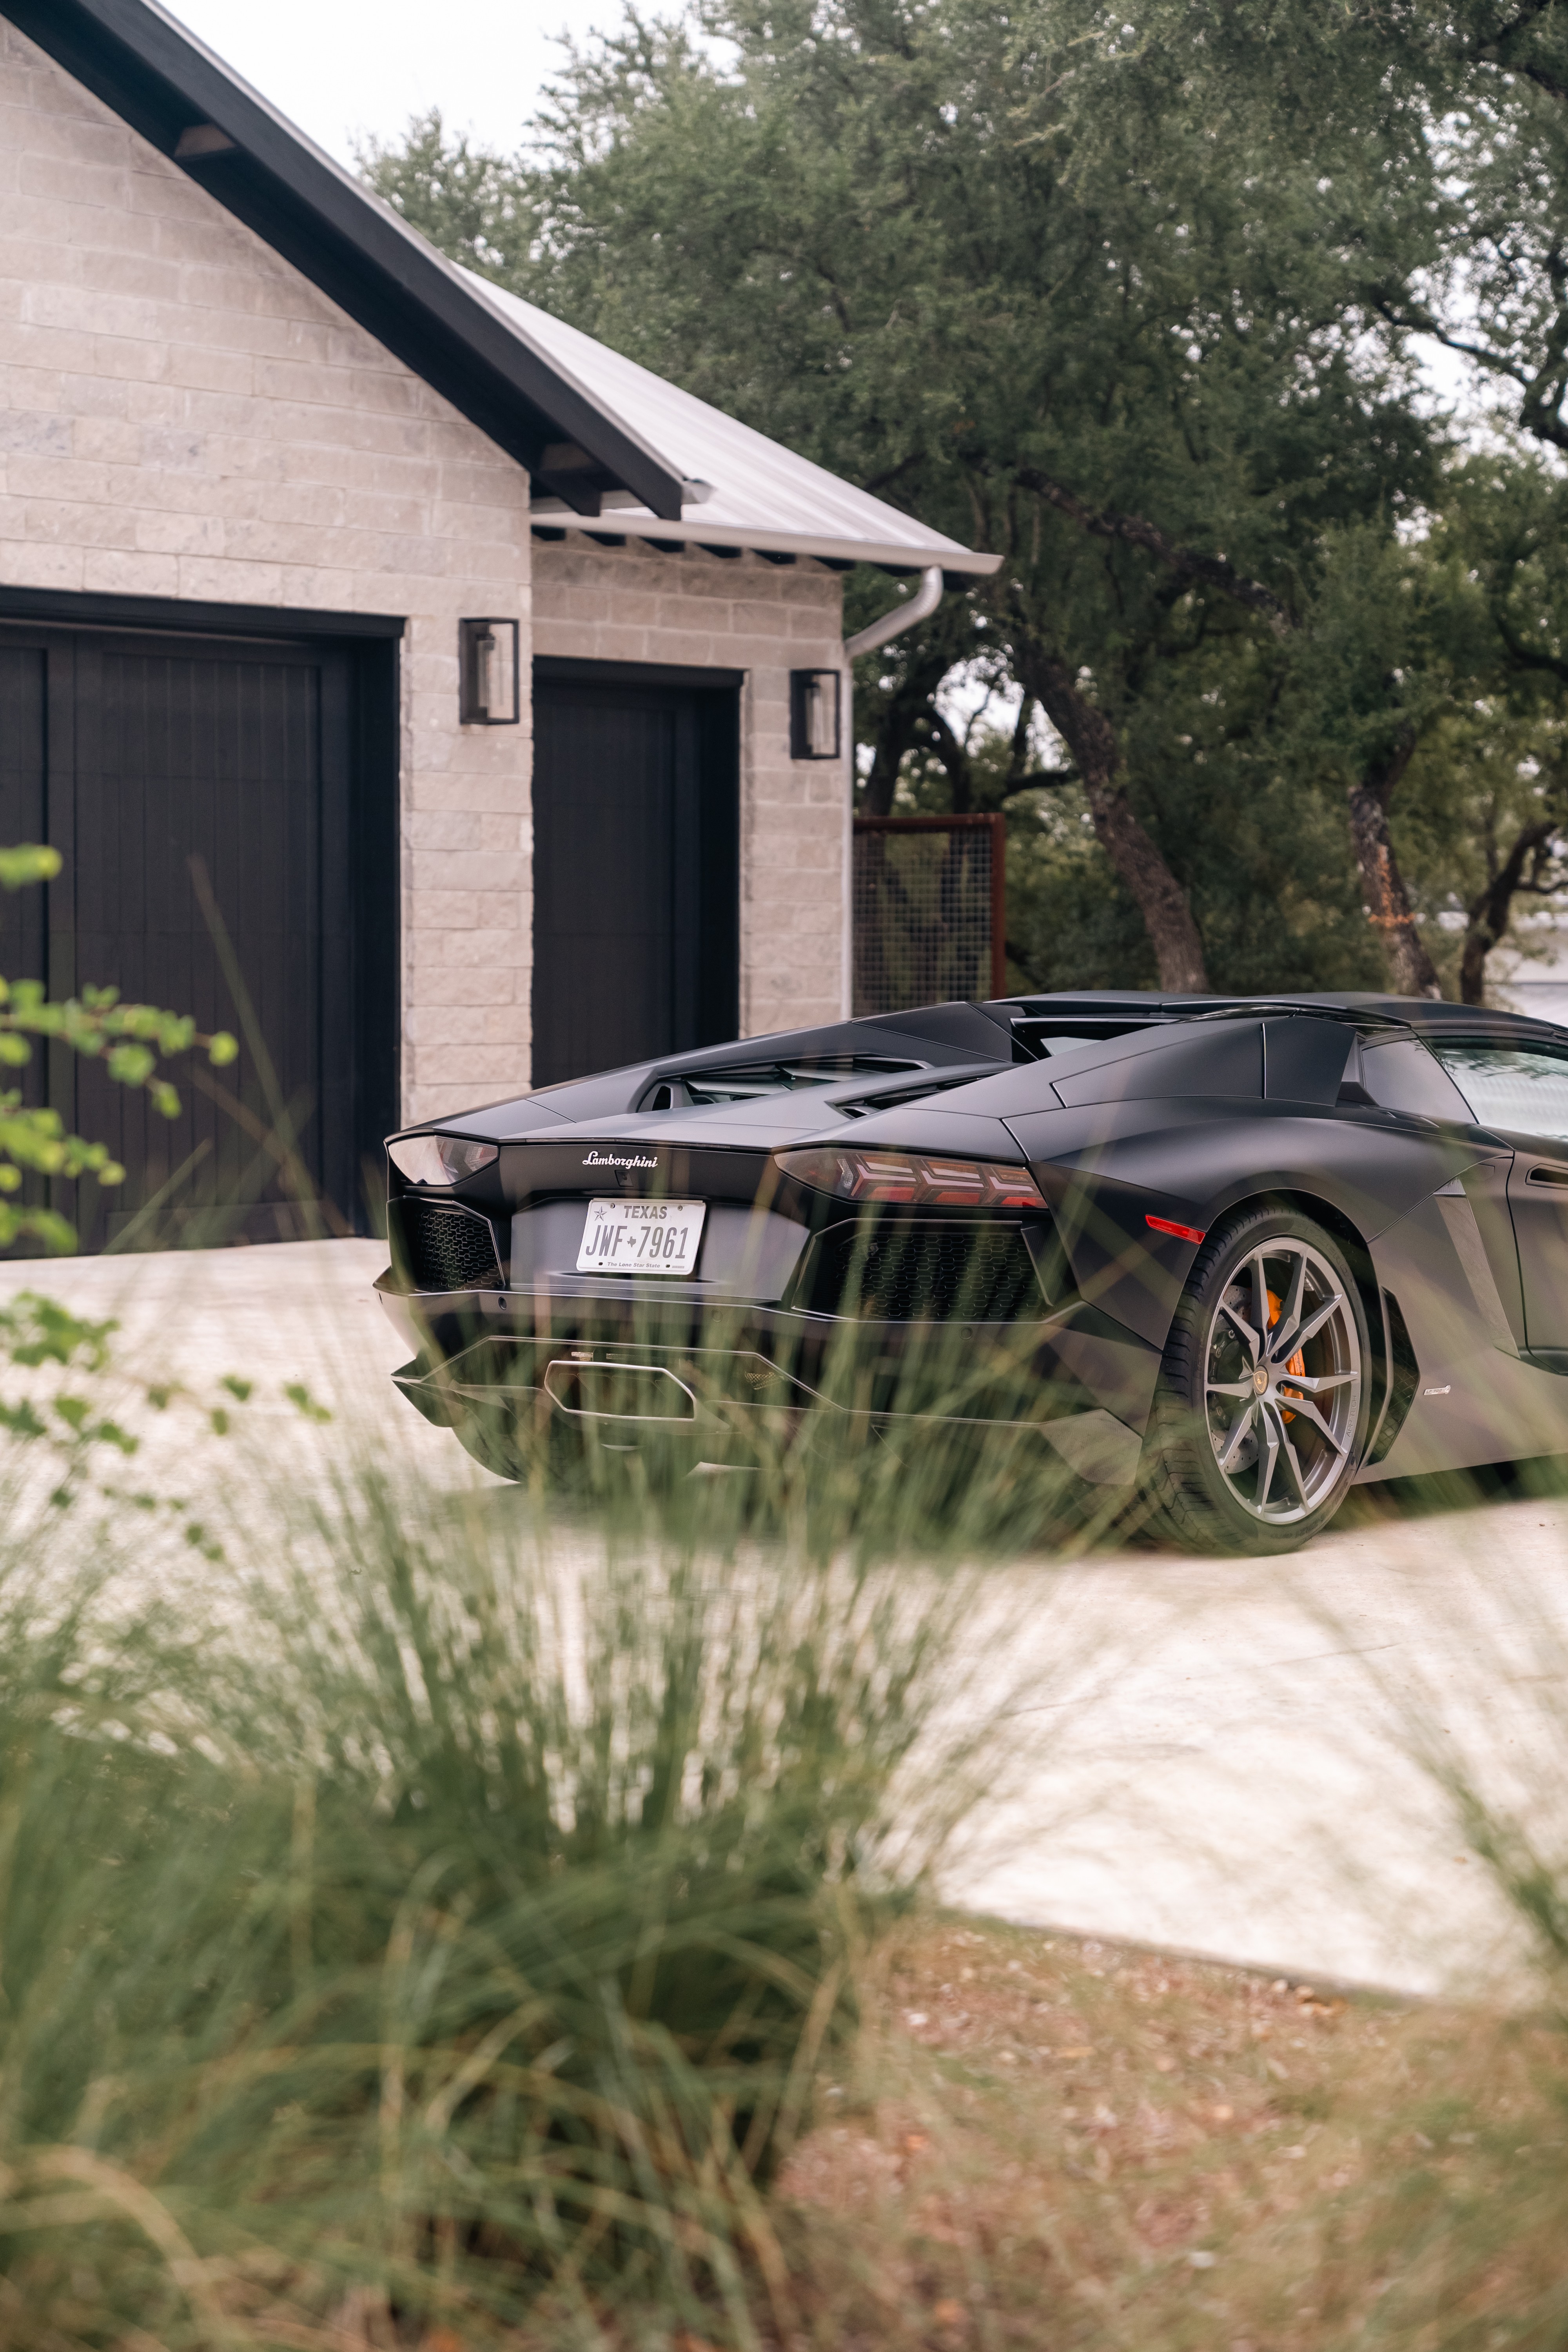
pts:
[634, 603]
[182, 415]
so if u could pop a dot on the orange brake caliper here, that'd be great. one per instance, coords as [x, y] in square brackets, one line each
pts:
[1297, 1363]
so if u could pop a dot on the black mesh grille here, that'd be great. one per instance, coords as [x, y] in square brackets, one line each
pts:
[925, 1273]
[449, 1248]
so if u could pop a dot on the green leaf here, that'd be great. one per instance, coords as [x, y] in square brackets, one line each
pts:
[28, 862]
[299, 1397]
[130, 1064]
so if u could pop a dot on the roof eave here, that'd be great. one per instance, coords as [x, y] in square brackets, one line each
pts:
[826, 546]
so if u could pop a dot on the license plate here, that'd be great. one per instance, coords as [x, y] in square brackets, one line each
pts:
[641, 1237]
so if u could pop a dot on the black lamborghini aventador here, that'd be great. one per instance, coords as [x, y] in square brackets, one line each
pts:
[1240, 1254]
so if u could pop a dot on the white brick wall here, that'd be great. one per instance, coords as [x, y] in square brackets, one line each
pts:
[634, 604]
[182, 415]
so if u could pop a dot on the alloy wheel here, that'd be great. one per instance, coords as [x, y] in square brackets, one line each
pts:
[1283, 1377]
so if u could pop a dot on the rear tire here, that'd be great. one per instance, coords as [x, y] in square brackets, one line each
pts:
[1253, 1441]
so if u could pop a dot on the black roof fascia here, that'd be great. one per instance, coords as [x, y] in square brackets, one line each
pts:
[356, 250]
[72, 608]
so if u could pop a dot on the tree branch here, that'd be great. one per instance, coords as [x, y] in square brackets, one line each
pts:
[1042, 780]
[1493, 52]
[1015, 955]
[1018, 753]
[1526, 656]
[955, 760]
[1541, 390]
[1412, 320]
[1489, 909]
[882, 481]
[1186, 562]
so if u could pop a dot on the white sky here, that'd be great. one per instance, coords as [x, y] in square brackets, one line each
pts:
[340, 68]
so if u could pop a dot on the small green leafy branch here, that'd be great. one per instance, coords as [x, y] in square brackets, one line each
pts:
[129, 1040]
[75, 1429]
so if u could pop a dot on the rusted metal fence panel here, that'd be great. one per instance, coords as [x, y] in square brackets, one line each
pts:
[929, 910]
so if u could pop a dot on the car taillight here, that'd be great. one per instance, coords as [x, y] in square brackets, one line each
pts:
[930, 1181]
[439, 1159]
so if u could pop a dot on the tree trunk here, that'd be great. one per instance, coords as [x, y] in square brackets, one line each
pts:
[909, 716]
[1480, 937]
[1097, 754]
[1388, 907]
[1387, 903]
[1388, 910]
[955, 761]
[1490, 909]
[896, 736]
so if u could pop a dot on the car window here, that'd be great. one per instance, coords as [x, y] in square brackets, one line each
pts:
[1506, 1085]
[1403, 1076]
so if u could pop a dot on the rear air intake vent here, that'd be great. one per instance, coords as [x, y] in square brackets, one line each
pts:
[448, 1247]
[1403, 1380]
[924, 1272]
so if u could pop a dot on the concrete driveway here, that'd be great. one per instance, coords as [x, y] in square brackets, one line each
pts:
[289, 1311]
[1214, 1754]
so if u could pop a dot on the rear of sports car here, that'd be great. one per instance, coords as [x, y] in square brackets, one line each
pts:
[712, 1271]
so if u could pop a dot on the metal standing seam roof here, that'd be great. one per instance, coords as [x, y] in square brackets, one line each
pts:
[591, 428]
[754, 492]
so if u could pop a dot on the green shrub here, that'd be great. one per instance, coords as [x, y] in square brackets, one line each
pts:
[435, 1914]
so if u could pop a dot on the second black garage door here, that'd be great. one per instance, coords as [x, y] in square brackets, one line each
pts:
[636, 864]
[154, 760]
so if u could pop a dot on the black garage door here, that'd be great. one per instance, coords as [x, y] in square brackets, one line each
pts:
[253, 773]
[636, 864]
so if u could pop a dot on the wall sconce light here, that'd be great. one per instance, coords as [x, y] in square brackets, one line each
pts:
[814, 696]
[490, 694]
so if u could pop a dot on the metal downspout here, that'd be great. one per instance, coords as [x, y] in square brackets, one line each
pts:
[920, 607]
